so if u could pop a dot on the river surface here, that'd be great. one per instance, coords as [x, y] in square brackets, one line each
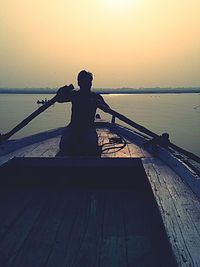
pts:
[177, 114]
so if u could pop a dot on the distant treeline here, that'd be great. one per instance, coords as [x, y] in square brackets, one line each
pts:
[156, 90]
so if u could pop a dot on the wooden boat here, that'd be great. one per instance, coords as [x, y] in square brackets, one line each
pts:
[126, 208]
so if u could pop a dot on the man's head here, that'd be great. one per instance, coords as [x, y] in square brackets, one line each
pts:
[85, 80]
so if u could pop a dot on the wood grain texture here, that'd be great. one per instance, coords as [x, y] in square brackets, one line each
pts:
[46, 148]
[15, 237]
[114, 150]
[180, 210]
[17, 153]
[37, 245]
[75, 226]
[50, 147]
[113, 249]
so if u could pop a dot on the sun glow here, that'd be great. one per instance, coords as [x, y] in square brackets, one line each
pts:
[125, 43]
[116, 4]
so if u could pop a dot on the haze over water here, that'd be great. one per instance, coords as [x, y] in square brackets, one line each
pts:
[177, 114]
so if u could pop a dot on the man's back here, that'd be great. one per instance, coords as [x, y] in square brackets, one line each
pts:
[84, 108]
[80, 138]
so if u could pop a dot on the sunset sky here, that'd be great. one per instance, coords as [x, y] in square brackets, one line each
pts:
[125, 43]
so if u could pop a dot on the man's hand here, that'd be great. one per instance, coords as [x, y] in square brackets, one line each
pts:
[63, 94]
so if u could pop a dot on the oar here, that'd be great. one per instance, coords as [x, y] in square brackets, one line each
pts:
[105, 108]
[28, 119]
[147, 131]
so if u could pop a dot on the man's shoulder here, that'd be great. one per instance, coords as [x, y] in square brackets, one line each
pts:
[76, 94]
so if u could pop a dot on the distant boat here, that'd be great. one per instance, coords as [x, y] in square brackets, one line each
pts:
[42, 101]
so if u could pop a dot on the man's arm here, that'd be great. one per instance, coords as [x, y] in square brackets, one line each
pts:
[102, 104]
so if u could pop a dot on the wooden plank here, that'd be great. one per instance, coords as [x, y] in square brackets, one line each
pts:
[46, 148]
[113, 247]
[135, 151]
[126, 151]
[180, 210]
[53, 147]
[50, 147]
[12, 205]
[178, 164]
[130, 150]
[111, 152]
[89, 250]
[37, 246]
[71, 233]
[19, 230]
[121, 150]
[17, 153]
[13, 145]
[145, 241]
[40, 149]
[114, 149]
[103, 135]
[135, 139]
[137, 226]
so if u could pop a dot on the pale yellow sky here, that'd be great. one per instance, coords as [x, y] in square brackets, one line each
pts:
[125, 43]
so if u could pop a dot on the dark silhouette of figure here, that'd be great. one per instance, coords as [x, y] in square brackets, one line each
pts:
[80, 137]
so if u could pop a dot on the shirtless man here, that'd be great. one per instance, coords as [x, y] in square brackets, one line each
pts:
[80, 137]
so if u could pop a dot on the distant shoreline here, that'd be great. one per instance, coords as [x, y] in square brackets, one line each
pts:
[106, 90]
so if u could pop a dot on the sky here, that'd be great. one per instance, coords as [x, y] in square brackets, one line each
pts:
[124, 43]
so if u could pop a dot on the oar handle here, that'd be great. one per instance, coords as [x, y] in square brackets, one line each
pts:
[146, 131]
[127, 120]
[22, 124]
[131, 123]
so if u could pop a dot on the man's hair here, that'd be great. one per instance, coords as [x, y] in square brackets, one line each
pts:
[85, 76]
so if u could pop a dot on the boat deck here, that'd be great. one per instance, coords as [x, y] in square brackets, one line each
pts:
[82, 216]
[108, 213]
[50, 147]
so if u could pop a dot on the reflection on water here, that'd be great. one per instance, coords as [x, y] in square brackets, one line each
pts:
[177, 114]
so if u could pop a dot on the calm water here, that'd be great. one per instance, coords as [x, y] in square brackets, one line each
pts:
[177, 114]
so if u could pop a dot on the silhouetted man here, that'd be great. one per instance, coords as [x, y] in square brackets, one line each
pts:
[80, 137]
